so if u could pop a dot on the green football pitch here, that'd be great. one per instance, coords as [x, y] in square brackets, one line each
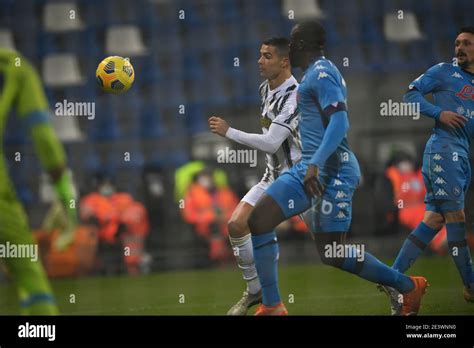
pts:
[306, 290]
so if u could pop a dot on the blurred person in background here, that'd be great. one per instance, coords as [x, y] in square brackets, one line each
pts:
[208, 208]
[122, 224]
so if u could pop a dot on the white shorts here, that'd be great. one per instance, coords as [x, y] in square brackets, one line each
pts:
[255, 193]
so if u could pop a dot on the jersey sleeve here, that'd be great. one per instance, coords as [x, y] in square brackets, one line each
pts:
[428, 82]
[32, 108]
[287, 111]
[31, 97]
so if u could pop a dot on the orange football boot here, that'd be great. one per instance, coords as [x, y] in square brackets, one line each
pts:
[412, 299]
[278, 309]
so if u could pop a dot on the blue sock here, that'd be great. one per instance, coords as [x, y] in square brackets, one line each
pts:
[266, 252]
[414, 246]
[459, 250]
[375, 271]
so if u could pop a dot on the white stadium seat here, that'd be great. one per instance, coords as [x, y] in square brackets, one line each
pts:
[405, 29]
[6, 39]
[61, 16]
[61, 70]
[124, 40]
[302, 9]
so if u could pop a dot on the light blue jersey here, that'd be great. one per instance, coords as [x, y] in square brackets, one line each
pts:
[446, 169]
[323, 125]
[322, 92]
[453, 90]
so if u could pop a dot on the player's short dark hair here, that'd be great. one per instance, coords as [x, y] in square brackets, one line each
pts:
[281, 44]
[313, 34]
[469, 30]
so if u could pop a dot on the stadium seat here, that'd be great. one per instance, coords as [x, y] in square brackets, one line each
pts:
[400, 30]
[117, 36]
[67, 128]
[61, 17]
[303, 9]
[15, 133]
[195, 121]
[61, 70]
[151, 125]
[6, 39]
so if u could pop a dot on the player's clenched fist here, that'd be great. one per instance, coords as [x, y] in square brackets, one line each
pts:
[452, 119]
[218, 125]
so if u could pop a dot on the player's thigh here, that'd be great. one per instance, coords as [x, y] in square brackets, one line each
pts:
[333, 212]
[283, 199]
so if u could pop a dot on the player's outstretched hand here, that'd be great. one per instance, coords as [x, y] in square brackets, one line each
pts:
[452, 119]
[218, 125]
[312, 185]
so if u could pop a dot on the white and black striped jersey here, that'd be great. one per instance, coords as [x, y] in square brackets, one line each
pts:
[279, 106]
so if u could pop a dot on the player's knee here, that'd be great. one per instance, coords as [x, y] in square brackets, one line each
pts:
[455, 216]
[434, 220]
[237, 228]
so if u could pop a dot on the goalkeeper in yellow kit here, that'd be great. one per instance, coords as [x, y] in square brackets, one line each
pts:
[21, 89]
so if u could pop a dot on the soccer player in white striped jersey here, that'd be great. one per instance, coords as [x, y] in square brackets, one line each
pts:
[281, 143]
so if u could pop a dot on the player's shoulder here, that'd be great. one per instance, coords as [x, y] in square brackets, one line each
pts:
[441, 68]
[322, 69]
[291, 86]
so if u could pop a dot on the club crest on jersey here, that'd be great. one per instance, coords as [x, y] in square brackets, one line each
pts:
[466, 93]
[456, 190]
[265, 122]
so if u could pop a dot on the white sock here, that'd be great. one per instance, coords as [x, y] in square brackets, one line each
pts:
[243, 252]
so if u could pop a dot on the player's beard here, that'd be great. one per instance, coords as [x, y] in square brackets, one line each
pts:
[465, 64]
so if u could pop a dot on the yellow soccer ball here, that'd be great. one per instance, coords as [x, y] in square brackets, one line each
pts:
[115, 74]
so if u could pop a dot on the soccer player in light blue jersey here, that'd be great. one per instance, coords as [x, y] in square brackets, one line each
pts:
[446, 170]
[324, 179]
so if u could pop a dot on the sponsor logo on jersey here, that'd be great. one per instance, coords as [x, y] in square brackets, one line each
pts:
[441, 192]
[437, 157]
[440, 181]
[466, 93]
[457, 75]
[341, 215]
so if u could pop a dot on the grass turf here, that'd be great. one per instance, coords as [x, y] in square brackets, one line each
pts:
[314, 289]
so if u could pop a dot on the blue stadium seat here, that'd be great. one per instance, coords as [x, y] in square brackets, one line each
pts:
[195, 119]
[91, 161]
[15, 132]
[105, 125]
[151, 125]
[228, 11]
